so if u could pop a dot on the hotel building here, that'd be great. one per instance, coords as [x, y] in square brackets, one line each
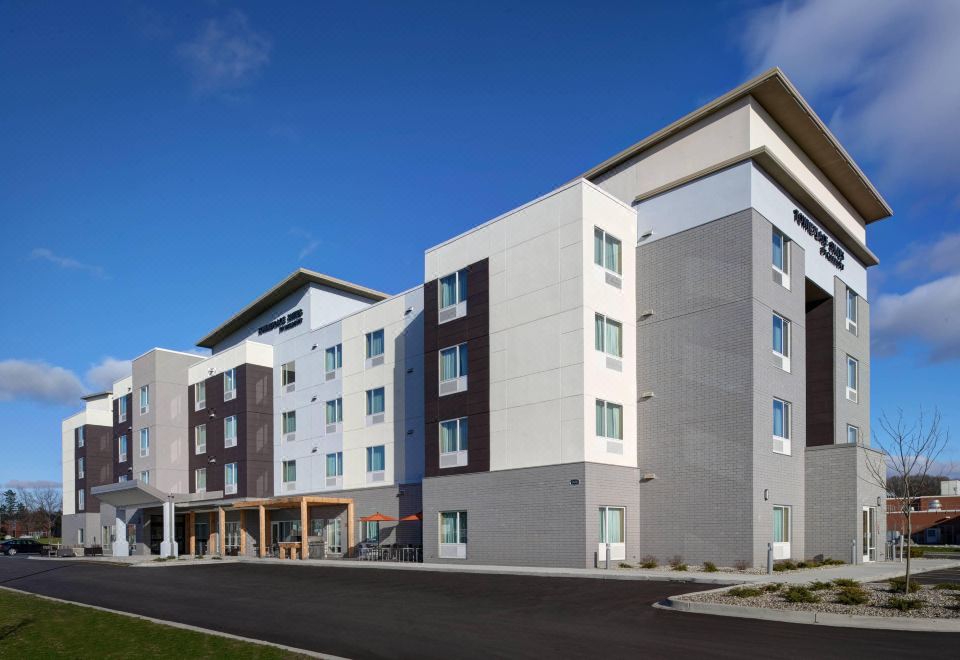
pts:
[667, 355]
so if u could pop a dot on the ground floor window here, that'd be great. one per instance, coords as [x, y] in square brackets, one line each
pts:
[334, 543]
[80, 536]
[233, 534]
[453, 527]
[131, 533]
[781, 524]
[611, 524]
[202, 532]
[370, 531]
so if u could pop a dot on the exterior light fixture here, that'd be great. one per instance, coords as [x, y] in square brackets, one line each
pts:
[766, 494]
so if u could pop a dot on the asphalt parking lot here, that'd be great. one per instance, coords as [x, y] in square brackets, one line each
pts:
[951, 576]
[370, 613]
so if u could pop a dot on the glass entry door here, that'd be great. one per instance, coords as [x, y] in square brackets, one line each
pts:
[868, 525]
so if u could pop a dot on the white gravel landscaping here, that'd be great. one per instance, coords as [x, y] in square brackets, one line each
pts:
[938, 603]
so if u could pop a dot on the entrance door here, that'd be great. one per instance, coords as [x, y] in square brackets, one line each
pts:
[781, 532]
[868, 524]
[612, 533]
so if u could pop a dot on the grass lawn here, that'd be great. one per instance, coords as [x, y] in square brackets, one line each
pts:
[32, 627]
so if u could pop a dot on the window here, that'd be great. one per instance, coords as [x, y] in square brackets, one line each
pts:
[608, 336]
[781, 524]
[453, 532]
[607, 251]
[81, 436]
[376, 458]
[231, 537]
[781, 342]
[781, 426]
[200, 439]
[200, 480]
[851, 310]
[230, 431]
[122, 449]
[80, 533]
[853, 378]
[145, 477]
[289, 422]
[123, 478]
[853, 434]
[200, 395]
[374, 343]
[612, 524]
[453, 443]
[781, 259]
[609, 420]
[370, 531]
[80, 500]
[144, 442]
[453, 369]
[229, 384]
[335, 411]
[80, 468]
[334, 358]
[334, 543]
[122, 409]
[375, 401]
[144, 399]
[335, 464]
[289, 472]
[453, 289]
[230, 479]
[288, 374]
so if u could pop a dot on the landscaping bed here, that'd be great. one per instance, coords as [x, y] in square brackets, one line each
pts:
[676, 564]
[885, 599]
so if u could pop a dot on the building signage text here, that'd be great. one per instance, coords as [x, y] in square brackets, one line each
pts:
[285, 322]
[829, 250]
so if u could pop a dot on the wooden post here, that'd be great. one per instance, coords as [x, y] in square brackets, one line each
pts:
[192, 532]
[262, 539]
[221, 528]
[243, 532]
[303, 528]
[211, 527]
[349, 549]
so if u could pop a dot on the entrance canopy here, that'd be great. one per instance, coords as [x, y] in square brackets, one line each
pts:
[129, 494]
[290, 502]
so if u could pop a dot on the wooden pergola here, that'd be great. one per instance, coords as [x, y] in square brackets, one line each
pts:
[265, 505]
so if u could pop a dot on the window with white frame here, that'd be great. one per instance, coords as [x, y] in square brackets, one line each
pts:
[609, 420]
[200, 439]
[453, 369]
[781, 524]
[370, 531]
[781, 259]
[230, 479]
[334, 536]
[375, 343]
[200, 480]
[200, 395]
[781, 426]
[288, 374]
[80, 500]
[375, 401]
[144, 442]
[852, 310]
[853, 434]
[144, 399]
[376, 463]
[81, 436]
[335, 464]
[453, 442]
[781, 342]
[230, 431]
[607, 251]
[123, 478]
[335, 411]
[608, 336]
[289, 472]
[288, 422]
[453, 289]
[122, 449]
[145, 477]
[453, 534]
[80, 471]
[230, 384]
[612, 523]
[333, 358]
[853, 378]
[122, 409]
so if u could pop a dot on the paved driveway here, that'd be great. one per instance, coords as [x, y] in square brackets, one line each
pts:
[407, 614]
[951, 575]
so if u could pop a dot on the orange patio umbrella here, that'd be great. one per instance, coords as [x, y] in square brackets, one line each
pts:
[412, 517]
[378, 517]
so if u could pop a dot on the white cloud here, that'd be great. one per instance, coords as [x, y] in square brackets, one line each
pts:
[310, 243]
[68, 263]
[101, 377]
[226, 54]
[939, 256]
[38, 381]
[31, 484]
[890, 69]
[929, 313]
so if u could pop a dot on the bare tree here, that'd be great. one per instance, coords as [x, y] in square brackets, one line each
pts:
[912, 451]
[44, 504]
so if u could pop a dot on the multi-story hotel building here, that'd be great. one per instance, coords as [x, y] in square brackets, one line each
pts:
[668, 355]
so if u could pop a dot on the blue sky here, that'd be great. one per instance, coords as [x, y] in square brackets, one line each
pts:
[163, 164]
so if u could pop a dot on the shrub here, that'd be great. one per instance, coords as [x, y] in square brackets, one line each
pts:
[905, 604]
[832, 562]
[818, 585]
[915, 552]
[798, 594]
[773, 586]
[679, 567]
[845, 582]
[710, 567]
[648, 561]
[624, 564]
[744, 592]
[741, 564]
[675, 561]
[852, 596]
[216, 557]
[898, 585]
[784, 565]
[948, 586]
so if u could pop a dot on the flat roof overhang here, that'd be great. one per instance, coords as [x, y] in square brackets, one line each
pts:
[291, 501]
[126, 494]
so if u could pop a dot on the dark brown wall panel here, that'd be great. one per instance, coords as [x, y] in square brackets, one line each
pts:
[820, 376]
[119, 429]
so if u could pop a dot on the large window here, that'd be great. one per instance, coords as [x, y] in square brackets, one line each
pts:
[80, 502]
[200, 395]
[781, 341]
[374, 343]
[229, 384]
[853, 378]
[609, 420]
[608, 336]
[612, 524]
[453, 435]
[333, 359]
[453, 289]
[852, 310]
[200, 480]
[144, 442]
[289, 472]
[200, 439]
[144, 399]
[781, 524]
[853, 434]
[122, 409]
[607, 251]
[81, 436]
[288, 374]
[376, 458]
[230, 479]
[453, 527]
[335, 411]
[122, 449]
[80, 471]
[335, 464]
[289, 422]
[375, 401]
[781, 259]
[334, 542]
[453, 369]
[781, 426]
[370, 531]
[230, 431]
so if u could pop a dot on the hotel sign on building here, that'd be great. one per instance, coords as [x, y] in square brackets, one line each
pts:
[829, 250]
